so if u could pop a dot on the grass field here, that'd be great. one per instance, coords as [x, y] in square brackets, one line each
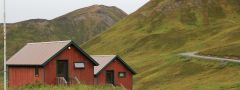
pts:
[60, 87]
[71, 87]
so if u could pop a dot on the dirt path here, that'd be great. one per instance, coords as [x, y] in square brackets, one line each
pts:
[194, 54]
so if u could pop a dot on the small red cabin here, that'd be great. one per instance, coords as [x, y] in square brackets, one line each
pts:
[64, 62]
[113, 70]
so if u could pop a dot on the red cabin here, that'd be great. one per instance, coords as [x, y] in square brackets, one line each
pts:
[113, 70]
[51, 63]
[64, 62]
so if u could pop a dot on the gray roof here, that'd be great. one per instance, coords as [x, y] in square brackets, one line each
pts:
[104, 60]
[39, 53]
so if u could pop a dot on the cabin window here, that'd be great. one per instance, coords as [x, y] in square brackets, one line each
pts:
[121, 74]
[79, 65]
[36, 71]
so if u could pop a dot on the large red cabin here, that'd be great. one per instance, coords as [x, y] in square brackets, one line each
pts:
[65, 62]
[47, 62]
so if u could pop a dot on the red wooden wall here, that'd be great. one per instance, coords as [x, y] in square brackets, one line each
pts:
[84, 75]
[23, 75]
[116, 66]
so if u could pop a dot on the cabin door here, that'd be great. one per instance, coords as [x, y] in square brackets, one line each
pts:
[110, 77]
[62, 69]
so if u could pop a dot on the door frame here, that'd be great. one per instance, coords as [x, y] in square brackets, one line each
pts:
[113, 82]
[67, 76]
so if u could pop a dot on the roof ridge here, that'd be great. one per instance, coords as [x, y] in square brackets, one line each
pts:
[50, 42]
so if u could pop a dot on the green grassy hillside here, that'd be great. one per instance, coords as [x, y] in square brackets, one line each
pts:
[79, 25]
[228, 51]
[150, 38]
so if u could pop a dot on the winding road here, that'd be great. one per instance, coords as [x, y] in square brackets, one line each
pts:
[194, 54]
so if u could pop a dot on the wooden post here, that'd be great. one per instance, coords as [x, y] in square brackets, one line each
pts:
[4, 51]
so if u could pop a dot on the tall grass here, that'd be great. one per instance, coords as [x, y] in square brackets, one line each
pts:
[66, 87]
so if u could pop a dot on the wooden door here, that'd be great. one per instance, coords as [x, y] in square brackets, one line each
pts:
[110, 77]
[62, 69]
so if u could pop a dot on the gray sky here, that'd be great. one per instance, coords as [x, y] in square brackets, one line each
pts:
[19, 10]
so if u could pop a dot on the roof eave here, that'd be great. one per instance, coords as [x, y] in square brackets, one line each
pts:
[89, 57]
[22, 65]
[131, 70]
[71, 42]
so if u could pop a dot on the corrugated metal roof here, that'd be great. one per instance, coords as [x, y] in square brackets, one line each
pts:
[104, 60]
[36, 53]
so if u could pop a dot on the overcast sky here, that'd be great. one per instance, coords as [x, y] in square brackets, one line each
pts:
[19, 10]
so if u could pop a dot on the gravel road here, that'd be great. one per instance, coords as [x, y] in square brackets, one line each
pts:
[194, 54]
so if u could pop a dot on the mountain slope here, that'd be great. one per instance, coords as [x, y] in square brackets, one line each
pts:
[150, 38]
[79, 25]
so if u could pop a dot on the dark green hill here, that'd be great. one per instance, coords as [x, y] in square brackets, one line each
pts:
[79, 25]
[150, 39]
